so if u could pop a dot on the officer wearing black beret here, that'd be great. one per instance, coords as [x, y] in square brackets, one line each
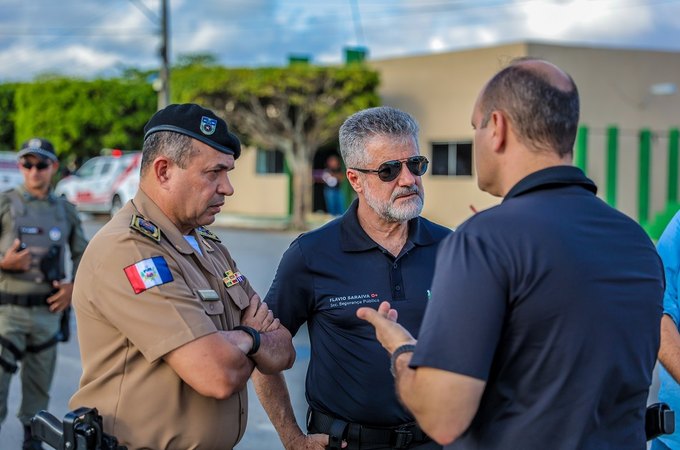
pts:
[196, 122]
[170, 330]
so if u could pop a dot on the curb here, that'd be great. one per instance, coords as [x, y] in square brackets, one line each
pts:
[266, 223]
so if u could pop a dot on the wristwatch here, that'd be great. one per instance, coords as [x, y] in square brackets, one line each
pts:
[253, 334]
[405, 348]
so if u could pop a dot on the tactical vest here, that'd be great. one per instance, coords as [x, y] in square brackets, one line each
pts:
[43, 231]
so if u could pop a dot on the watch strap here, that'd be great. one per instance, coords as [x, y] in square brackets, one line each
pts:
[253, 334]
[404, 348]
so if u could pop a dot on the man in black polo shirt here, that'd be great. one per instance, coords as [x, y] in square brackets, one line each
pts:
[380, 249]
[543, 327]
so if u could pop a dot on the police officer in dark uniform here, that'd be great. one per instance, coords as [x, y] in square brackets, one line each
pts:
[35, 228]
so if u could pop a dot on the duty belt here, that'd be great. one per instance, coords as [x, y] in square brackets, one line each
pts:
[23, 299]
[399, 437]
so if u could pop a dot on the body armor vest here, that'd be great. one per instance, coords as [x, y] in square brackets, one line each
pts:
[43, 231]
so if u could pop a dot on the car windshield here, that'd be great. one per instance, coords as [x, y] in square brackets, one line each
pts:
[87, 170]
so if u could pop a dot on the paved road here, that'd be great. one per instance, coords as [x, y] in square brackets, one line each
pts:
[257, 254]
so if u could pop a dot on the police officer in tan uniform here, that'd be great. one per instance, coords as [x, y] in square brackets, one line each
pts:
[169, 329]
[35, 228]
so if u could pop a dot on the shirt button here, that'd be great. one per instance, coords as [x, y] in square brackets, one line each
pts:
[395, 265]
[397, 288]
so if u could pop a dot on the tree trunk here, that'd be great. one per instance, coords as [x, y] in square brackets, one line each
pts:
[302, 192]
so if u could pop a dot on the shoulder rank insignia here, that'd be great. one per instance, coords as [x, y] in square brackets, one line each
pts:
[145, 227]
[206, 233]
[232, 278]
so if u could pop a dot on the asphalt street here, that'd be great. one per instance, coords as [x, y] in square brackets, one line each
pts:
[257, 254]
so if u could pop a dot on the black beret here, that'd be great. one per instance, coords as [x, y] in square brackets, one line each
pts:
[38, 146]
[197, 122]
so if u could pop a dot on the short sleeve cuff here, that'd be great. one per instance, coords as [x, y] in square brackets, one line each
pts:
[175, 341]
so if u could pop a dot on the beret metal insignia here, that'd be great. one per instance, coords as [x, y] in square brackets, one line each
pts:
[203, 231]
[208, 125]
[145, 227]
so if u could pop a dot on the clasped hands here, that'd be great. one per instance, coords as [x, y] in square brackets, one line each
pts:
[259, 317]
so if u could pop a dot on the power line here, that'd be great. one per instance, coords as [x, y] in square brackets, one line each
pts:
[76, 31]
[152, 16]
[368, 13]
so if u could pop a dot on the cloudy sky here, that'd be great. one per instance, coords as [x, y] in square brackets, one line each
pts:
[100, 37]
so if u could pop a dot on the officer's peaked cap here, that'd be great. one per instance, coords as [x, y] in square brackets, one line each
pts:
[39, 147]
[197, 122]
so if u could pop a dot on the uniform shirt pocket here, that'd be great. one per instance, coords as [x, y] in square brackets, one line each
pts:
[238, 296]
[213, 308]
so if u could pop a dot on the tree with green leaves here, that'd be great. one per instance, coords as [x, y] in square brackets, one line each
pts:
[81, 117]
[7, 116]
[294, 109]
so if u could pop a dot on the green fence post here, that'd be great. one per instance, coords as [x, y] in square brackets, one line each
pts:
[581, 151]
[612, 161]
[673, 165]
[644, 167]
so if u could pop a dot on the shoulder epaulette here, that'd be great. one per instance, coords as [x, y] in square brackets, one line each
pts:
[146, 227]
[206, 233]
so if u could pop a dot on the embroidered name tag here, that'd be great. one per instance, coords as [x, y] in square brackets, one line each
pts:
[208, 295]
[30, 230]
[148, 273]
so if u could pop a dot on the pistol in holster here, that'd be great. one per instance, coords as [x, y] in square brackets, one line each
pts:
[51, 268]
[81, 429]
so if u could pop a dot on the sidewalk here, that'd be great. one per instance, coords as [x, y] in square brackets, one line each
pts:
[270, 223]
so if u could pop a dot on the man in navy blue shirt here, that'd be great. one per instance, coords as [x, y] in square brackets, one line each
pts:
[543, 327]
[380, 249]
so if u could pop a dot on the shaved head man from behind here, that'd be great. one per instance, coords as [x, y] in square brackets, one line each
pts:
[543, 327]
[169, 329]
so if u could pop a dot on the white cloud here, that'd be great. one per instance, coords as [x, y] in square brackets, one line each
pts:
[74, 59]
[84, 58]
[585, 19]
[206, 38]
[75, 37]
[436, 44]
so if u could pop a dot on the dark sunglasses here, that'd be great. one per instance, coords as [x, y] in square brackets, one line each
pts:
[390, 170]
[42, 165]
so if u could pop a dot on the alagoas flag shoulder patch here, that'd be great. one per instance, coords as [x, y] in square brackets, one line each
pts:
[148, 273]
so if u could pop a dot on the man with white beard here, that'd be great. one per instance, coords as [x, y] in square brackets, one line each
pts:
[380, 249]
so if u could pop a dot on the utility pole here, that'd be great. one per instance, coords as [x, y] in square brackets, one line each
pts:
[162, 83]
[164, 92]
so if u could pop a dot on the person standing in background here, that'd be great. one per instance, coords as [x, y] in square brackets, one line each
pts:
[35, 229]
[333, 178]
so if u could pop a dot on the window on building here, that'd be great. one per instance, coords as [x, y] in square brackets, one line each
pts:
[269, 161]
[452, 158]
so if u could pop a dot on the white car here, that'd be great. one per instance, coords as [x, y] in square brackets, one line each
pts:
[103, 184]
[10, 175]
